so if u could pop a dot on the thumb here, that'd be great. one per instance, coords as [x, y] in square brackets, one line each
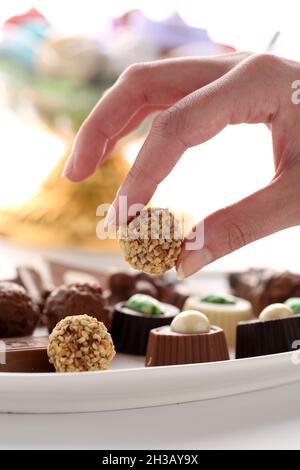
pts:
[265, 212]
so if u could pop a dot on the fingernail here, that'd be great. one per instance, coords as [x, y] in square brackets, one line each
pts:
[68, 168]
[192, 262]
[111, 218]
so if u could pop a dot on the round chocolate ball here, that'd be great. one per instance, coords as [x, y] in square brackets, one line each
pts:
[76, 299]
[80, 343]
[152, 241]
[121, 281]
[145, 287]
[18, 312]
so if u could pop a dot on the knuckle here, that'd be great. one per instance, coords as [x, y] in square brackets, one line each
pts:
[136, 172]
[262, 62]
[135, 78]
[238, 234]
[168, 124]
[135, 71]
[164, 122]
[139, 172]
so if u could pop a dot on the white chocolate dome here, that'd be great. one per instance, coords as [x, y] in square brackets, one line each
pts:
[275, 312]
[190, 322]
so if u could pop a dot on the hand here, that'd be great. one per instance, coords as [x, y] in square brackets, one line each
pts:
[197, 99]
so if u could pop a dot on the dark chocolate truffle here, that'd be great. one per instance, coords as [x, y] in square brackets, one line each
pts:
[18, 312]
[123, 285]
[130, 328]
[76, 299]
[263, 287]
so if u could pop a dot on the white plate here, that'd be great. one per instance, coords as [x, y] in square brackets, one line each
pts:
[142, 387]
[128, 384]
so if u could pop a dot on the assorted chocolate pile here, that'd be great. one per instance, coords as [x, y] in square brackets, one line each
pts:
[89, 314]
[46, 294]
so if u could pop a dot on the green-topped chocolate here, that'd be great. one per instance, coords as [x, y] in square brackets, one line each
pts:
[294, 304]
[132, 321]
[144, 304]
[218, 299]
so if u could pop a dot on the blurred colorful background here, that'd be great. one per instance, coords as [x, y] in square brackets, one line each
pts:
[57, 59]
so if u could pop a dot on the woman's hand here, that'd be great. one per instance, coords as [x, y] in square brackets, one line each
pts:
[197, 99]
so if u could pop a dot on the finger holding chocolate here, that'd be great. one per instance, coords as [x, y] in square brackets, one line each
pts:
[152, 241]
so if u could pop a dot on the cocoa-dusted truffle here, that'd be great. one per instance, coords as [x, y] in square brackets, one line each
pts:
[75, 299]
[152, 241]
[80, 343]
[18, 312]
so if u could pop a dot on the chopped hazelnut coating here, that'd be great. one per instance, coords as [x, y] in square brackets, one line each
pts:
[80, 343]
[152, 241]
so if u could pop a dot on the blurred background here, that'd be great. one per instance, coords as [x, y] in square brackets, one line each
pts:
[57, 59]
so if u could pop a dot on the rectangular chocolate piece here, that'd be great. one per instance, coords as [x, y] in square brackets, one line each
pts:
[43, 277]
[31, 280]
[25, 354]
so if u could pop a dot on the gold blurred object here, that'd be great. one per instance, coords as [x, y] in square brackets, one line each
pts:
[64, 213]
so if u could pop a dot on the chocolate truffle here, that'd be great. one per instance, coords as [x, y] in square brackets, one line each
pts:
[80, 343]
[263, 287]
[123, 285]
[18, 312]
[189, 339]
[152, 241]
[274, 332]
[226, 311]
[132, 321]
[75, 299]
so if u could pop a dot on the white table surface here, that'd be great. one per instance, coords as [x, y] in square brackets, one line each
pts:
[265, 419]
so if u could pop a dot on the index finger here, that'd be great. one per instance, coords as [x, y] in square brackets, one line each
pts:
[158, 84]
[244, 94]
